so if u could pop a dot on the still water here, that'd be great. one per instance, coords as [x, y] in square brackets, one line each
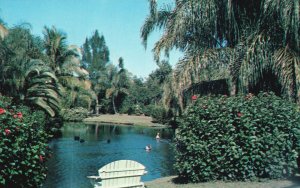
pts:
[72, 161]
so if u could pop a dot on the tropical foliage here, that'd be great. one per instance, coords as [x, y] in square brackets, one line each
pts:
[66, 63]
[237, 40]
[74, 114]
[238, 138]
[41, 87]
[23, 146]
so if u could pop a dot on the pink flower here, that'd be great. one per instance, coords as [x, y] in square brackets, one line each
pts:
[19, 115]
[239, 114]
[7, 132]
[2, 111]
[41, 158]
[194, 97]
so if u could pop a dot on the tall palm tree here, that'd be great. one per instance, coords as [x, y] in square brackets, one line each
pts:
[65, 61]
[253, 37]
[56, 48]
[118, 83]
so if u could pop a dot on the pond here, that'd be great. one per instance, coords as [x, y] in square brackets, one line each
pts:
[72, 161]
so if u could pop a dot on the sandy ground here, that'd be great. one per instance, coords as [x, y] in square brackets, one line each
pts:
[168, 182]
[122, 119]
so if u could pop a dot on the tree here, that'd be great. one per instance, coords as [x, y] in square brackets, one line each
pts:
[25, 76]
[42, 88]
[246, 39]
[156, 80]
[19, 48]
[95, 55]
[77, 89]
[56, 48]
[118, 84]
[65, 61]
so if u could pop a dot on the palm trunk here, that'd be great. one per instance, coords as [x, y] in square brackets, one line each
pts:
[293, 86]
[114, 106]
[233, 87]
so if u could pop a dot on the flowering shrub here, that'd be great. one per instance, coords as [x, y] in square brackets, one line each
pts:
[238, 138]
[23, 146]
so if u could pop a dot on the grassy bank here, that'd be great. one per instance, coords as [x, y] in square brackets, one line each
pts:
[122, 119]
[170, 182]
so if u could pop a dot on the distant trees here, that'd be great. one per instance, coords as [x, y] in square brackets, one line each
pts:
[95, 59]
[48, 73]
[95, 55]
[45, 73]
[65, 61]
[119, 84]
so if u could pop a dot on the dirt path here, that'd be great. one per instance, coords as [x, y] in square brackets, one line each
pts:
[123, 119]
[167, 182]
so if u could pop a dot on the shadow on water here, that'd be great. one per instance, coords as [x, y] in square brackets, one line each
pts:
[72, 161]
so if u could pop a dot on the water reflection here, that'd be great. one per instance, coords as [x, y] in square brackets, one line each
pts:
[72, 161]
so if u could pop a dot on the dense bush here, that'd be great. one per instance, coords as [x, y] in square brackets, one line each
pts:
[74, 114]
[23, 146]
[158, 113]
[147, 110]
[132, 109]
[238, 138]
[83, 101]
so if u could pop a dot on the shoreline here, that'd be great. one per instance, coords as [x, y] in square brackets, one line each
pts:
[123, 119]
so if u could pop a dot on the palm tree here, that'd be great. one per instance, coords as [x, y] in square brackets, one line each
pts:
[56, 48]
[65, 61]
[41, 87]
[245, 39]
[74, 78]
[24, 75]
[118, 83]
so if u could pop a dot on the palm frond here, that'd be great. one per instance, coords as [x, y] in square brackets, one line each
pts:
[44, 105]
[287, 68]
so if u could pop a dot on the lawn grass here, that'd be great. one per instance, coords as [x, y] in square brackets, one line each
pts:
[122, 119]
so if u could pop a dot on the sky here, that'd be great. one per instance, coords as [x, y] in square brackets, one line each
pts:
[119, 21]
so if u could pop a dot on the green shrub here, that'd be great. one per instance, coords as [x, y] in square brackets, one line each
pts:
[158, 113]
[135, 110]
[147, 110]
[83, 101]
[74, 114]
[23, 146]
[238, 138]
